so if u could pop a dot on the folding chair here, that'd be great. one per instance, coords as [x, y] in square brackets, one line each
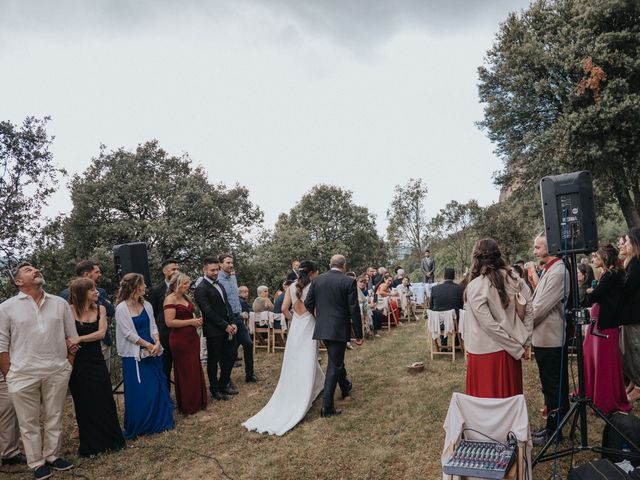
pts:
[260, 323]
[387, 311]
[434, 321]
[284, 328]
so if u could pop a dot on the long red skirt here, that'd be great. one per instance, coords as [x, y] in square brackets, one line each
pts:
[603, 377]
[191, 392]
[493, 375]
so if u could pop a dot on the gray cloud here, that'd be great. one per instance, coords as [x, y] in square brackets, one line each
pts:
[358, 24]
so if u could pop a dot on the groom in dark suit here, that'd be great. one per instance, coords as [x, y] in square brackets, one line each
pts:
[219, 329]
[333, 299]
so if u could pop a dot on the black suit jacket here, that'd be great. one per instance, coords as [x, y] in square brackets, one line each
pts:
[631, 302]
[215, 309]
[608, 294]
[333, 298]
[447, 296]
[156, 297]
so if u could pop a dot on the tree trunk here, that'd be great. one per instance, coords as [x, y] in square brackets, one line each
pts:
[628, 207]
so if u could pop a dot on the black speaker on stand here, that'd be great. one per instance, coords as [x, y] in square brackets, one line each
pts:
[570, 226]
[132, 257]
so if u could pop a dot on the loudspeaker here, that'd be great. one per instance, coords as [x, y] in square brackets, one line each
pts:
[569, 213]
[132, 257]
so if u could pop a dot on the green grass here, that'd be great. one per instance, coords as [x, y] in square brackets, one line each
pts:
[390, 429]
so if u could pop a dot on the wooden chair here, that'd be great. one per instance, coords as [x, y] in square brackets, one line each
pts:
[260, 323]
[387, 311]
[434, 320]
[283, 330]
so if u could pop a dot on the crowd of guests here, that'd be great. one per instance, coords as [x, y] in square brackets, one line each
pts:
[514, 311]
[50, 344]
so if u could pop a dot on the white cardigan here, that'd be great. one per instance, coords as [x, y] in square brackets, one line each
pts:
[126, 334]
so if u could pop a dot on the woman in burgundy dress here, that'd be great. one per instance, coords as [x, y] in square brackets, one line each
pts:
[604, 380]
[184, 341]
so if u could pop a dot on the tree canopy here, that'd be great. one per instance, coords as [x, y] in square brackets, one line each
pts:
[561, 87]
[407, 217]
[28, 177]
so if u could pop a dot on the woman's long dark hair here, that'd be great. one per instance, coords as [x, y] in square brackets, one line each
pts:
[609, 256]
[587, 273]
[78, 293]
[306, 268]
[487, 260]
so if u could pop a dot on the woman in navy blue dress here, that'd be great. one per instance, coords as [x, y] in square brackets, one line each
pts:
[147, 404]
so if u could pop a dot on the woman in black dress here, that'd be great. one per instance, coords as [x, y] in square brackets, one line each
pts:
[90, 383]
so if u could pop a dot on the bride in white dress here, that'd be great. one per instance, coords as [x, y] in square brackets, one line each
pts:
[301, 378]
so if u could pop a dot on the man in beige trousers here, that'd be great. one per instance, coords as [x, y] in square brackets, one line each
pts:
[548, 303]
[37, 332]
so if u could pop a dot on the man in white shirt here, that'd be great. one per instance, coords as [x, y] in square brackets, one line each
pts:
[37, 334]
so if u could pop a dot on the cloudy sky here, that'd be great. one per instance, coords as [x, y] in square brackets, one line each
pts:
[277, 95]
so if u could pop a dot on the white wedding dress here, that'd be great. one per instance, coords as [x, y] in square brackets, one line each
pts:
[301, 378]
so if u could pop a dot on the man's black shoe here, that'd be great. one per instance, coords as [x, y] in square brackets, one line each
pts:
[18, 459]
[219, 396]
[237, 364]
[60, 464]
[229, 390]
[251, 378]
[326, 412]
[347, 392]
[42, 472]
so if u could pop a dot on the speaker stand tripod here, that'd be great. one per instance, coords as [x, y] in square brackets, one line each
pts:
[578, 410]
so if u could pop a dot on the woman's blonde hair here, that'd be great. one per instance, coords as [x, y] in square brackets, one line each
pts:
[129, 286]
[175, 281]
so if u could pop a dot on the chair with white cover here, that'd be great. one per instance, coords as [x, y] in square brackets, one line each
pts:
[260, 323]
[282, 331]
[495, 417]
[435, 323]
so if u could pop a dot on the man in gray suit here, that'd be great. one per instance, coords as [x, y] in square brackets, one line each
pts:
[428, 267]
[548, 302]
[333, 299]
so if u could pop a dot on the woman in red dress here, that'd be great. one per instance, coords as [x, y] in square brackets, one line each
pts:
[496, 338]
[184, 341]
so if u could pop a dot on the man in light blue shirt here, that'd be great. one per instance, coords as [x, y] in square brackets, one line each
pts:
[228, 280]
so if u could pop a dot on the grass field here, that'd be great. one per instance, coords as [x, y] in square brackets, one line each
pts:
[391, 428]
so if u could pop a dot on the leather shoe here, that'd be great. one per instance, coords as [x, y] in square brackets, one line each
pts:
[229, 390]
[251, 378]
[18, 459]
[219, 396]
[330, 412]
[347, 392]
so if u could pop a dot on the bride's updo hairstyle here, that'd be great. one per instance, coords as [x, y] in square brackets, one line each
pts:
[487, 260]
[307, 267]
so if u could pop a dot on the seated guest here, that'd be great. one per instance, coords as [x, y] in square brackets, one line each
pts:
[277, 303]
[262, 302]
[447, 295]
[280, 289]
[184, 341]
[243, 293]
[90, 383]
[384, 290]
[147, 404]
[398, 280]
[603, 377]
[496, 337]
[366, 306]
[521, 271]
